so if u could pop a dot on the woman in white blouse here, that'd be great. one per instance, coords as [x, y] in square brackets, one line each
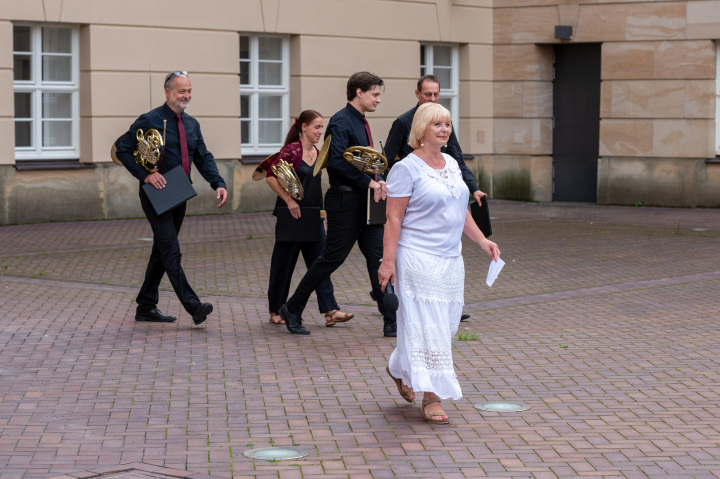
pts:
[426, 217]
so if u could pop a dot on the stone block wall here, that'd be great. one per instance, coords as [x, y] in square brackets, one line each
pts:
[657, 95]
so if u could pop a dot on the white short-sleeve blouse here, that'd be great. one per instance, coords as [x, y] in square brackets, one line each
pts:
[435, 214]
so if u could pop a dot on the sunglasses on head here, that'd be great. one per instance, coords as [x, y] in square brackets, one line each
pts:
[175, 73]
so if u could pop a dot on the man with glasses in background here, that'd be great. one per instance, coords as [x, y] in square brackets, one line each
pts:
[184, 145]
[428, 90]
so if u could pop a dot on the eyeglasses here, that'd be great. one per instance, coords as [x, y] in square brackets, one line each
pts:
[175, 73]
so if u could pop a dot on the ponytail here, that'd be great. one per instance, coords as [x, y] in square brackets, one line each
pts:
[295, 131]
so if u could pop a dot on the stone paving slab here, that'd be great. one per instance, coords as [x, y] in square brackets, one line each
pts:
[135, 471]
[605, 321]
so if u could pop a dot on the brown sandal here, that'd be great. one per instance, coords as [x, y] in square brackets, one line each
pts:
[406, 392]
[336, 316]
[434, 417]
[275, 319]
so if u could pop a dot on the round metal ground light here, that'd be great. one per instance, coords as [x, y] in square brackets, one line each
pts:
[275, 453]
[502, 406]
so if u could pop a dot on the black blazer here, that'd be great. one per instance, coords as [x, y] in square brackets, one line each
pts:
[397, 145]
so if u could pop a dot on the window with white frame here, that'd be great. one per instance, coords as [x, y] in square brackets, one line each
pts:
[717, 99]
[264, 92]
[441, 60]
[46, 79]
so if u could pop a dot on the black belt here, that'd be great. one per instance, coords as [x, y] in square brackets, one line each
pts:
[347, 188]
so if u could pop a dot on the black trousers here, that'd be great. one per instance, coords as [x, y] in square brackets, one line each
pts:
[284, 258]
[347, 223]
[165, 258]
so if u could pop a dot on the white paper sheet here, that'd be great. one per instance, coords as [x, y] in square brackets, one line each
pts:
[494, 270]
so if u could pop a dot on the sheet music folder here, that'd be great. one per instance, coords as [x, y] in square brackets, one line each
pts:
[305, 228]
[177, 190]
[375, 210]
[481, 214]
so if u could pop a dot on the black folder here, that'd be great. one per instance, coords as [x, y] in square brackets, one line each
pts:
[481, 214]
[305, 228]
[375, 210]
[178, 189]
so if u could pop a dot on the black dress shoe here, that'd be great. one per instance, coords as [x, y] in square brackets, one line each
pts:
[201, 313]
[390, 330]
[154, 316]
[293, 322]
[464, 316]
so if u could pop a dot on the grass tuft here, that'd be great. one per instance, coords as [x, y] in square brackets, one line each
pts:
[468, 336]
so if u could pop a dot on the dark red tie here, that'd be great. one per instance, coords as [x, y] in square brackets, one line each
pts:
[183, 146]
[367, 129]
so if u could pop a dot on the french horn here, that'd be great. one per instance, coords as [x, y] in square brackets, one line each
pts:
[149, 149]
[366, 159]
[288, 179]
[363, 158]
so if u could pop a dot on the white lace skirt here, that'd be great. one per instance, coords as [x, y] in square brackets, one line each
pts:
[431, 294]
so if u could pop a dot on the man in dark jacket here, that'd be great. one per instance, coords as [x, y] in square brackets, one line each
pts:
[428, 90]
[184, 145]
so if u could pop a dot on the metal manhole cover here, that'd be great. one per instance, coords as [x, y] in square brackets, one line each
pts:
[275, 453]
[502, 406]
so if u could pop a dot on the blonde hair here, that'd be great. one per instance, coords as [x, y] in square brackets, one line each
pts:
[426, 114]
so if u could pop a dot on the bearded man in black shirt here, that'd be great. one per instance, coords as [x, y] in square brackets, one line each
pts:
[184, 146]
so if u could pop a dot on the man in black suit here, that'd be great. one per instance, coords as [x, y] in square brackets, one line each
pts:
[184, 146]
[346, 204]
[428, 90]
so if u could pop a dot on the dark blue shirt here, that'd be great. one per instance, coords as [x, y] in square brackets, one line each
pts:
[197, 151]
[397, 145]
[346, 129]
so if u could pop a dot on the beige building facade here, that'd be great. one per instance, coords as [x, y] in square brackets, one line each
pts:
[74, 74]
[658, 97]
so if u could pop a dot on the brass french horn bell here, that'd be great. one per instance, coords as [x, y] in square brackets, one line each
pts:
[322, 159]
[261, 171]
[113, 151]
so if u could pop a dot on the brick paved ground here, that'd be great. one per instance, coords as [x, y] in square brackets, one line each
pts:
[606, 321]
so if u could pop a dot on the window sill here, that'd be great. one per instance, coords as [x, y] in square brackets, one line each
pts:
[715, 161]
[28, 165]
[252, 159]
